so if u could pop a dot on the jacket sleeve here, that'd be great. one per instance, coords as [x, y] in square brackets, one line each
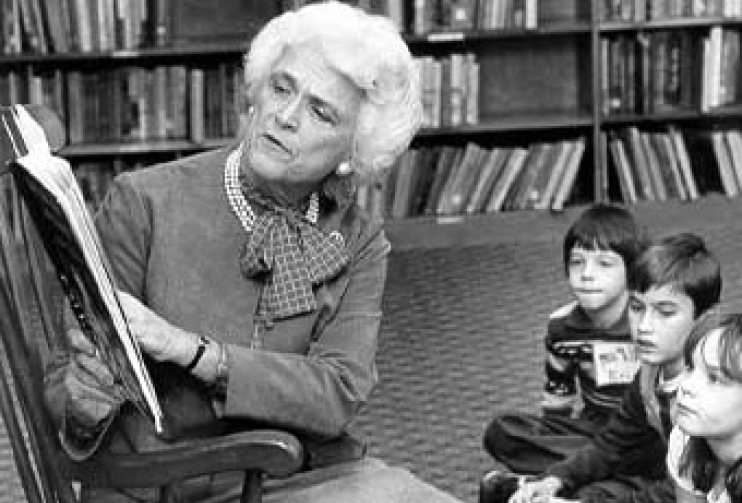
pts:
[560, 387]
[629, 445]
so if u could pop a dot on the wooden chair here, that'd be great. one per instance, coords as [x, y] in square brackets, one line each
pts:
[30, 320]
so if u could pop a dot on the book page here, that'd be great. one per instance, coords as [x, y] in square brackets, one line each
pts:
[56, 204]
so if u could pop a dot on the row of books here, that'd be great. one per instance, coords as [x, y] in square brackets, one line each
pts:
[674, 164]
[430, 15]
[450, 89]
[726, 150]
[653, 10]
[132, 103]
[669, 70]
[58, 26]
[652, 166]
[449, 180]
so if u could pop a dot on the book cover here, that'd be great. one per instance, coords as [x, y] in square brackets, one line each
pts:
[626, 181]
[510, 172]
[542, 191]
[537, 158]
[561, 154]
[403, 190]
[57, 207]
[640, 164]
[734, 143]
[653, 166]
[423, 181]
[668, 166]
[488, 174]
[724, 162]
[684, 162]
[449, 158]
[570, 174]
[456, 191]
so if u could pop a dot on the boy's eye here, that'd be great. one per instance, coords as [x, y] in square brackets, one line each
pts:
[575, 261]
[667, 312]
[635, 305]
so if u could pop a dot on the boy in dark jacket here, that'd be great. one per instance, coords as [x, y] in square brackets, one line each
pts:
[674, 281]
[581, 389]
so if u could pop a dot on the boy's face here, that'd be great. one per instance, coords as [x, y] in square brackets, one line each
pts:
[597, 278]
[661, 320]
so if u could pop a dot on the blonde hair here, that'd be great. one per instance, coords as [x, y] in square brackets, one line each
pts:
[369, 51]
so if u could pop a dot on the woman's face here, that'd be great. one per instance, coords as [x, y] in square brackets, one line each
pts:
[708, 402]
[302, 124]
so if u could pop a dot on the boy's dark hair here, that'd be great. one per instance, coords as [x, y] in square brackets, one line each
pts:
[606, 227]
[683, 262]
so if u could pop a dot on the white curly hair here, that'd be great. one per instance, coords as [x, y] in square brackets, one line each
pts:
[368, 50]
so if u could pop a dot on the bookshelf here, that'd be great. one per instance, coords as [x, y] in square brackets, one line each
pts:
[622, 100]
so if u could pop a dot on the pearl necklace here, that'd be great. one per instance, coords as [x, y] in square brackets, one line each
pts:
[239, 204]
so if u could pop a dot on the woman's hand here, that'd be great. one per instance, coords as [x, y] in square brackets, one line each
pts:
[538, 491]
[156, 336]
[93, 392]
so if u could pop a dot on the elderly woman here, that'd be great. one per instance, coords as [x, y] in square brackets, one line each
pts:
[252, 279]
[705, 449]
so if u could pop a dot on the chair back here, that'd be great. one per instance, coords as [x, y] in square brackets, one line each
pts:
[30, 318]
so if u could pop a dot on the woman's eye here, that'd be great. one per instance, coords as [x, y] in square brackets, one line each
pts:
[322, 114]
[279, 87]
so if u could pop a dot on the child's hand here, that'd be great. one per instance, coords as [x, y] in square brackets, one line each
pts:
[537, 491]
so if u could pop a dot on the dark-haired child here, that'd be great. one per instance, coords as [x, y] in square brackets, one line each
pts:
[673, 282]
[589, 353]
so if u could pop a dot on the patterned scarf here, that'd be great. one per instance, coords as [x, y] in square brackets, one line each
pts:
[290, 254]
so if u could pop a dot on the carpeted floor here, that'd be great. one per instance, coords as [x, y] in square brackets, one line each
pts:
[460, 340]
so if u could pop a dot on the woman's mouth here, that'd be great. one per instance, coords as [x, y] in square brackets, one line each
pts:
[273, 144]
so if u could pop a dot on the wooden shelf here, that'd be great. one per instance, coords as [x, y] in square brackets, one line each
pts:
[140, 148]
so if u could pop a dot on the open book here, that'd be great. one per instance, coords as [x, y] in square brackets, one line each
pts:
[57, 207]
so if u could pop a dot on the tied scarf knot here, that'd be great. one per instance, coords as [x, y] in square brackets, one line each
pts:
[290, 255]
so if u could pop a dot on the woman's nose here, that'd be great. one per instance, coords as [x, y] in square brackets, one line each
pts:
[288, 116]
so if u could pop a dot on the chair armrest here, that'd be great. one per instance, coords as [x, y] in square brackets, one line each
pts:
[276, 453]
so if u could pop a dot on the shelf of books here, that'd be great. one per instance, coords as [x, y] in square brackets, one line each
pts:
[528, 104]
